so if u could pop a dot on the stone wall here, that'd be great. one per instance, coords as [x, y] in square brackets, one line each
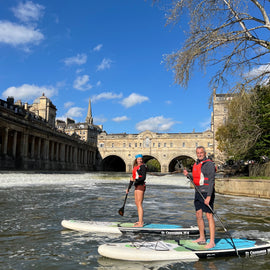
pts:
[244, 187]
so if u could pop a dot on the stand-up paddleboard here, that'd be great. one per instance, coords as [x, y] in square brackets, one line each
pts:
[184, 250]
[118, 227]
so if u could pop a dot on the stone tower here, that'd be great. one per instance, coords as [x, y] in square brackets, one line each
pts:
[219, 117]
[89, 118]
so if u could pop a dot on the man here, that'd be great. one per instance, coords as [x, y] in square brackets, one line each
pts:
[203, 176]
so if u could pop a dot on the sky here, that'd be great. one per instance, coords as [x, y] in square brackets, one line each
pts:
[111, 52]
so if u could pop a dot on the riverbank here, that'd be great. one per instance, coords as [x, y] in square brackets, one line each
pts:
[259, 188]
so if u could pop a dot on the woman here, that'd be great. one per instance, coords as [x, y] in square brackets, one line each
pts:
[138, 178]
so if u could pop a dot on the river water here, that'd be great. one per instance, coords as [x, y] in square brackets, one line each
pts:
[33, 205]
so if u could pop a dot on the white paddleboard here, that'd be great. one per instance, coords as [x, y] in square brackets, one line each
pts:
[183, 250]
[118, 227]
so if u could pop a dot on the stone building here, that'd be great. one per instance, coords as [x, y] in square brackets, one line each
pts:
[86, 131]
[42, 107]
[118, 150]
[219, 117]
[30, 142]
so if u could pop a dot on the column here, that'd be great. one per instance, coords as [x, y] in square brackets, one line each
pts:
[52, 151]
[14, 147]
[39, 147]
[57, 151]
[5, 142]
[32, 154]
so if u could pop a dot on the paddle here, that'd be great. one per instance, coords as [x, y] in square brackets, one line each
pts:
[121, 210]
[217, 217]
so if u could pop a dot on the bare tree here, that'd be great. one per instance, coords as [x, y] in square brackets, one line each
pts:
[232, 35]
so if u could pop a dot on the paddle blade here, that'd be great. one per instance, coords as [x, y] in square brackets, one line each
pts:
[121, 211]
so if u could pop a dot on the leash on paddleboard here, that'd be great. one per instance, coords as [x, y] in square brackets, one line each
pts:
[121, 210]
[217, 217]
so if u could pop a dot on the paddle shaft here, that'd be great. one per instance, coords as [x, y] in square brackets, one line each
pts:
[217, 217]
[125, 201]
[121, 210]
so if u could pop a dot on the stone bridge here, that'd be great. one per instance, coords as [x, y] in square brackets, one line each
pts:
[117, 151]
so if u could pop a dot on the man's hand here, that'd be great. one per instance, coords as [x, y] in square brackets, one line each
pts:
[207, 200]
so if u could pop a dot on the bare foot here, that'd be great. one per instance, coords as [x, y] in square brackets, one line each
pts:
[199, 240]
[138, 224]
[209, 245]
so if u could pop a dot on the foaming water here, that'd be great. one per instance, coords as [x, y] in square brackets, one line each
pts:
[86, 179]
[34, 204]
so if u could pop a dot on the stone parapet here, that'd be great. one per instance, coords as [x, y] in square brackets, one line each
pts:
[259, 188]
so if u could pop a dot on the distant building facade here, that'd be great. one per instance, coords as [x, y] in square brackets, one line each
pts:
[30, 142]
[86, 131]
[167, 148]
[41, 107]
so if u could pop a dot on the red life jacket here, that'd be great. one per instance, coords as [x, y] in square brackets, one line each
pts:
[198, 177]
[135, 174]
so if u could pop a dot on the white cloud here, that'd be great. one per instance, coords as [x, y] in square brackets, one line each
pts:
[74, 112]
[29, 92]
[133, 99]
[105, 64]
[82, 83]
[68, 104]
[15, 34]
[28, 11]
[168, 102]
[79, 70]
[98, 48]
[258, 71]
[79, 59]
[156, 124]
[98, 83]
[120, 118]
[99, 119]
[106, 95]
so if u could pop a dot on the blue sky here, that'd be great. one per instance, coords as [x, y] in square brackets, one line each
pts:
[109, 51]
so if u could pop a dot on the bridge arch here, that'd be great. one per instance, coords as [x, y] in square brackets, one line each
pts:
[153, 164]
[181, 162]
[113, 163]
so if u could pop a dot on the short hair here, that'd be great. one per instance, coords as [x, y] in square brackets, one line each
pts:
[201, 147]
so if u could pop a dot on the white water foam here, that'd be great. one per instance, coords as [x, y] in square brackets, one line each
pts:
[87, 180]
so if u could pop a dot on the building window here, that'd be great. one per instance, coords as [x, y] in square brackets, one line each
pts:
[184, 144]
[112, 145]
[158, 144]
[135, 144]
[196, 144]
[129, 144]
[165, 144]
[171, 144]
[124, 145]
[153, 144]
[101, 145]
